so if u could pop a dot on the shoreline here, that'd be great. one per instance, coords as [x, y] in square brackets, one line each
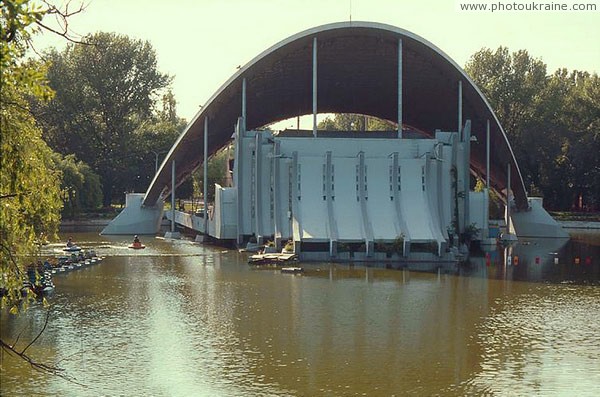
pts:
[580, 225]
[101, 222]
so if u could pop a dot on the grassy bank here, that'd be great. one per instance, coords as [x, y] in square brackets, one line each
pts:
[576, 216]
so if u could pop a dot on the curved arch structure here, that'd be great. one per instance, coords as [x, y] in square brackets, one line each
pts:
[357, 73]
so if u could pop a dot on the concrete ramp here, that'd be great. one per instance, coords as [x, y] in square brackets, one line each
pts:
[136, 218]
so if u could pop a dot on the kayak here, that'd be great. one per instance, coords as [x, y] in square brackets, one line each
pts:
[73, 248]
[137, 246]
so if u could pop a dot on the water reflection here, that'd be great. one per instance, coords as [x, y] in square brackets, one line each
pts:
[180, 319]
[540, 260]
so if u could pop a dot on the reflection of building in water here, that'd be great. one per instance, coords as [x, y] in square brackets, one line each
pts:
[542, 259]
[352, 195]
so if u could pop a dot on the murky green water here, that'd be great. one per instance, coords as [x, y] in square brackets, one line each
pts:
[180, 319]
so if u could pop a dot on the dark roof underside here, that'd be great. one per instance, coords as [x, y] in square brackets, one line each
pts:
[357, 73]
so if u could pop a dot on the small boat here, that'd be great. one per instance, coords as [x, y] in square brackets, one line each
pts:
[73, 248]
[137, 246]
[274, 258]
[252, 247]
[40, 286]
[292, 270]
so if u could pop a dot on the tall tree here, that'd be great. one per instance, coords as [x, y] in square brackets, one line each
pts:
[29, 184]
[551, 122]
[80, 187]
[355, 122]
[105, 89]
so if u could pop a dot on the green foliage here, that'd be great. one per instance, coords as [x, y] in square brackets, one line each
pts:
[103, 111]
[398, 244]
[289, 246]
[343, 247]
[496, 206]
[470, 233]
[153, 138]
[552, 122]
[80, 187]
[29, 184]
[217, 173]
[479, 185]
[355, 122]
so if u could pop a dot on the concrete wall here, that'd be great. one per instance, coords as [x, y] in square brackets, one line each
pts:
[331, 190]
[135, 218]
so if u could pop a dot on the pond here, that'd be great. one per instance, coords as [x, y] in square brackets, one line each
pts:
[183, 319]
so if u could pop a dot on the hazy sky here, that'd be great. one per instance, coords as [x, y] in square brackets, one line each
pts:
[201, 42]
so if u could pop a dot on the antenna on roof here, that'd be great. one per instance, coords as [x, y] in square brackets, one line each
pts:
[350, 10]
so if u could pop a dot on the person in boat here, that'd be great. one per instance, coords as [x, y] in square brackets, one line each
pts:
[70, 242]
[136, 240]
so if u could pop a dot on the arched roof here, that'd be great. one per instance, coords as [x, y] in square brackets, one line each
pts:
[357, 73]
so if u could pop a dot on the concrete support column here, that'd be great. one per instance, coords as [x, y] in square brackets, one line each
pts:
[330, 194]
[244, 104]
[238, 180]
[400, 88]
[276, 193]
[172, 233]
[205, 182]
[363, 197]
[486, 231]
[314, 87]
[257, 190]
[467, 175]
[173, 195]
[460, 111]
[508, 190]
[508, 236]
[296, 197]
[487, 154]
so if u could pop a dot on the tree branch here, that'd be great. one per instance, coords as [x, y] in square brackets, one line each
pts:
[62, 18]
[45, 368]
[39, 333]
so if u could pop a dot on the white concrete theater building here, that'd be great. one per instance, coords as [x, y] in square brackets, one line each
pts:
[326, 191]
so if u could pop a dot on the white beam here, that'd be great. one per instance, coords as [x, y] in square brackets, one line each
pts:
[508, 190]
[173, 196]
[314, 87]
[399, 88]
[460, 112]
[244, 104]
[487, 155]
[205, 181]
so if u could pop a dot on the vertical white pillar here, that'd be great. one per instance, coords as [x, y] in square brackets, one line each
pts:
[173, 196]
[508, 190]
[487, 155]
[205, 181]
[460, 112]
[400, 88]
[244, 104]
[467, 174]
[314, 88]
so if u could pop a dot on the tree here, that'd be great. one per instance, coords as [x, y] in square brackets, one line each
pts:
[106, 89]
[217, 173]
[551, 121]
[29, 184]
[80, 187]
[355, 122]
[154, 137]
